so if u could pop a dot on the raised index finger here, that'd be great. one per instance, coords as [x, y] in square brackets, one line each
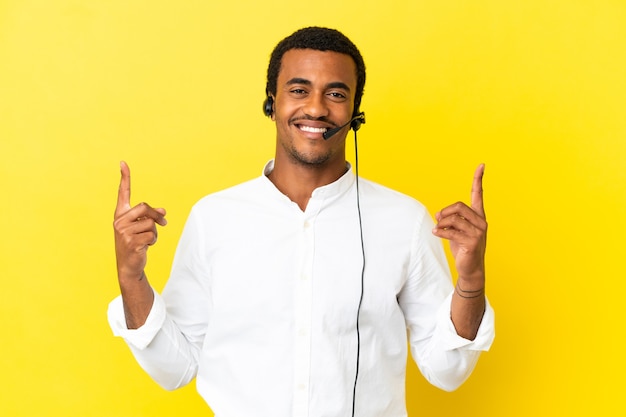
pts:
[123, 194]
[477, 191]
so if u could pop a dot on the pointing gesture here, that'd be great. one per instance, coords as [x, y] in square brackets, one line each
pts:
[477, 191]
[135, 230]
[123, 193]
[466, 229]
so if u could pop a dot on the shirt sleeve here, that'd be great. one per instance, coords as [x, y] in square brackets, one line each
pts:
[168, 345]
[451, 340]
[444, 358]
[139, 338]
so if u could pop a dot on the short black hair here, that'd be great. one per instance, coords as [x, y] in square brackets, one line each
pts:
[319, 39]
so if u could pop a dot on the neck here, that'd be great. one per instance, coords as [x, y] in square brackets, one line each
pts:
[299, 181]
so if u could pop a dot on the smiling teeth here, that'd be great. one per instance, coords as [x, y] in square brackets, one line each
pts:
[313, 129]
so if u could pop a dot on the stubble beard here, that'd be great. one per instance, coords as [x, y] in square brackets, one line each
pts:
[310, 160]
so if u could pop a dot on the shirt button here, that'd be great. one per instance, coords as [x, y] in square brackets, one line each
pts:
[304, 277]
[307, 224]
[301, 387]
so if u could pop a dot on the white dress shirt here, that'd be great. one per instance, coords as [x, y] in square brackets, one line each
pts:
[262, 302]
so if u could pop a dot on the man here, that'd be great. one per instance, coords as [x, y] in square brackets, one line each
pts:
[291, 294]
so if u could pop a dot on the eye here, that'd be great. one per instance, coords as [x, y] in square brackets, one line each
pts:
[297, 91]
[337, 95]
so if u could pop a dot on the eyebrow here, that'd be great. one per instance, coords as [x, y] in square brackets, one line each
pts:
[304, 81]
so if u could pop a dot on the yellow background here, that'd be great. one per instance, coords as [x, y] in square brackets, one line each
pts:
[534, 88]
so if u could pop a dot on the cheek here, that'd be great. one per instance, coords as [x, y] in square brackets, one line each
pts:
[282, 116]
[281, 122]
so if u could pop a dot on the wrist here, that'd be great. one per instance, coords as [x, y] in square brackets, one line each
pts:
[473, 289]
[130, 275]
[472, 281]
[132, 281]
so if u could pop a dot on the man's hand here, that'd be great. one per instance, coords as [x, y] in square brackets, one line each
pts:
[135, 230]
[466, 229]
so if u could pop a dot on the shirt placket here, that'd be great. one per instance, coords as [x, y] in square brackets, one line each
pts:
[304, 302]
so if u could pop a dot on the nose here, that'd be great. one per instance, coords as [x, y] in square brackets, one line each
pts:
[315, 105]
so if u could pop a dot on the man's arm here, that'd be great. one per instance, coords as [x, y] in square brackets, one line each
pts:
[466, 229]
[140, 316]
[445, 358]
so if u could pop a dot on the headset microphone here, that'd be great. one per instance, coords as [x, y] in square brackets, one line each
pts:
[355, 123]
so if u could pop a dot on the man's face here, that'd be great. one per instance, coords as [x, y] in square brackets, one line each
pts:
[315, 92]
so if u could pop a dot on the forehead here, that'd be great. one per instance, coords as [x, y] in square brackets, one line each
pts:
[318, 67]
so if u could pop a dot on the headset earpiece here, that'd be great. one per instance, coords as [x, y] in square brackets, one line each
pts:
[358, 121]
[268, 106]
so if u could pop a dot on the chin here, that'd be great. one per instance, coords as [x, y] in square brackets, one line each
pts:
[309, 159]
[312, 162]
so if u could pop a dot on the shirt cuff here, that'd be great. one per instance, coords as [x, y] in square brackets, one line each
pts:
[141, 337]
[451, 340]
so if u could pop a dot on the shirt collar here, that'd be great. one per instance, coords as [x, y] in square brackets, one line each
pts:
[333, 189]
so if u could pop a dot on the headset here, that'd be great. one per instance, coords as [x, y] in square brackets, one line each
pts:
[268, 106]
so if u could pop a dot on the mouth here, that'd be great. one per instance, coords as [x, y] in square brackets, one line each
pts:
[311, 129]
